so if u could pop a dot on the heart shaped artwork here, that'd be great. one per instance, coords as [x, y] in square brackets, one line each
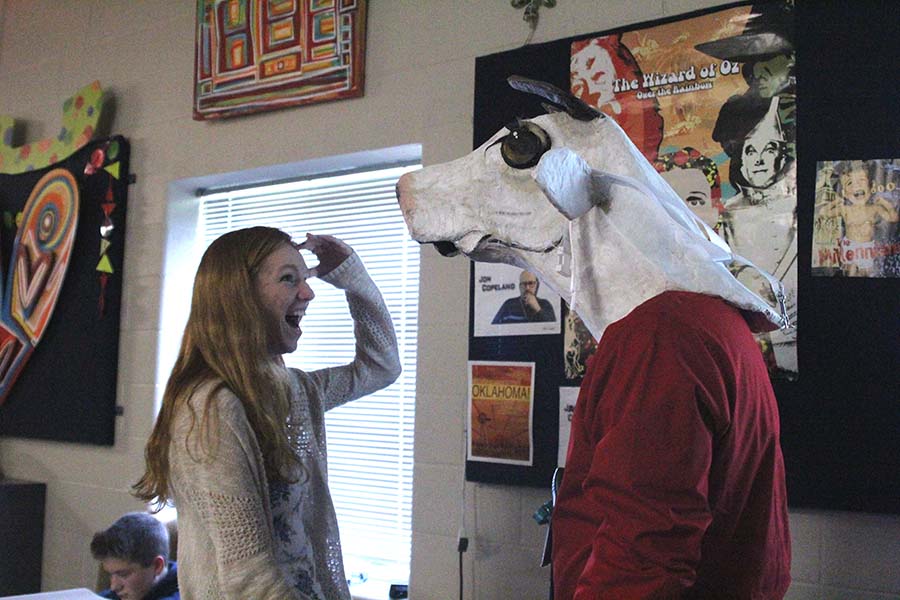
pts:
[39, 260]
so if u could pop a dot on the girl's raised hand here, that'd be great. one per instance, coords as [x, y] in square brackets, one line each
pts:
[330, 251]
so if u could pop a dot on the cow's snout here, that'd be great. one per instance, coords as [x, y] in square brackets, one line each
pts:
[406, 196]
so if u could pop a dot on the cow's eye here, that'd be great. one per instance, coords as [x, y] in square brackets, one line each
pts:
[524, 145]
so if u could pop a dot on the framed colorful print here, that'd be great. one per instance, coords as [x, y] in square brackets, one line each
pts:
[259, 55]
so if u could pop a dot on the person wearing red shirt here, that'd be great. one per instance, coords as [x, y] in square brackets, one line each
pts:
[674, 482]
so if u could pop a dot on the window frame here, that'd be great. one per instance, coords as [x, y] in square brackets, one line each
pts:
[184, 201]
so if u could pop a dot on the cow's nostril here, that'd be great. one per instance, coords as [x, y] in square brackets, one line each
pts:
[446, 248]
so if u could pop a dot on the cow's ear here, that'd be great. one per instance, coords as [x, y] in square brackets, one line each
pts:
[567, 182]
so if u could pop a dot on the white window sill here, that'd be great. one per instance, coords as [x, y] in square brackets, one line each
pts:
[373, 589]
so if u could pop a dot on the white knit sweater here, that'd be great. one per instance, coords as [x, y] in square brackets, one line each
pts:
[241, 538]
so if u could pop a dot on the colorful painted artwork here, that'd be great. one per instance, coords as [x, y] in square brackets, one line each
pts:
[81, 113]
[710, 101]
[61, 253]
[258, 55]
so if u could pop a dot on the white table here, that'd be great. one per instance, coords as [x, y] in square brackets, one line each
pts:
[73, 594]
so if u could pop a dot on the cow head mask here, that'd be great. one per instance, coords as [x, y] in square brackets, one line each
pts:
[567, 196]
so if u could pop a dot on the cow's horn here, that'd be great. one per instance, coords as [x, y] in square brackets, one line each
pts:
[575, 107]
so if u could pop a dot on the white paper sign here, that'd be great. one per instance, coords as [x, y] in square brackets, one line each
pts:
[510, 301]
[567, 398]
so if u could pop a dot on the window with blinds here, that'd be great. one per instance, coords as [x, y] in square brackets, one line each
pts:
[370, 440]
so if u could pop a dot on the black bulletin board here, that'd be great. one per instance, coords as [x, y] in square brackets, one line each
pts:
[66, 391]
[546, 352]
[840, 418]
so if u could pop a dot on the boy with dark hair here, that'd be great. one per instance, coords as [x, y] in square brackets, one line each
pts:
[134, 551]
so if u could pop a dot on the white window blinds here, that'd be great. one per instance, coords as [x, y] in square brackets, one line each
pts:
[370, 441]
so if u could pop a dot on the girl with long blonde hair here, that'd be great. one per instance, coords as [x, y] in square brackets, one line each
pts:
[239, 445]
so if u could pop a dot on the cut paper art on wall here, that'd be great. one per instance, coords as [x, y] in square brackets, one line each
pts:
[258, 55]
[61, 249]
[81, 113]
